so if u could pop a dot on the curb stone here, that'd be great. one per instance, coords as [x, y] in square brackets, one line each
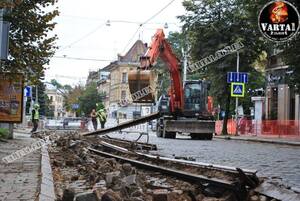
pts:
[270, 141]
[47, 186]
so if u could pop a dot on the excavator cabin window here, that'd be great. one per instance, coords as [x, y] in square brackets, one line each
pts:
[192, 96]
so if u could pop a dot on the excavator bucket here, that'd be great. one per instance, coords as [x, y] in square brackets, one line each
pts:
[142, 86]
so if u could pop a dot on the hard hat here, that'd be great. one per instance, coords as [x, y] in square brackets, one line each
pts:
[36, 105]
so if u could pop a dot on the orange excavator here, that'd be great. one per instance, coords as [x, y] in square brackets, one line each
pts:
[185, 109]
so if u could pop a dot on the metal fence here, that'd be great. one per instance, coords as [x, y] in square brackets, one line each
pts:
[265, 128]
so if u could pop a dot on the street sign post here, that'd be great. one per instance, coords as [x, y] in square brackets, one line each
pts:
[237, 77]
[28, 91]
[237, 89]
[75, 106]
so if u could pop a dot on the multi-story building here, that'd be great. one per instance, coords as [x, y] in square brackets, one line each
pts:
[92, 77]
[56, 101]
[104, 89]
[281, 103]
[116, 84]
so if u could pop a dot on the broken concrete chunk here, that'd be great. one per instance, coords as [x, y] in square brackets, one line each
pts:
[160, 195]
[90, 196]
[68, 195]
[136, 199]
[127, 168]
[111, 196]
[262, 198]
[129, 180]
[254, 198]
[100, 184]
[110, 176]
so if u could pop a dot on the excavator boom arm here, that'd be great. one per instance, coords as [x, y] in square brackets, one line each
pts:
[161, 48]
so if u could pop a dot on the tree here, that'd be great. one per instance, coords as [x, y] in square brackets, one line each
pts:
[210, 25]
[31, 44]
[43, 101]
[72, 97]
[88, 99]
[55, 83]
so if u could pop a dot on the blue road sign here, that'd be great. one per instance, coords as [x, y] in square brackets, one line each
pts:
[28, 91]
[223, 114]
[237, 77]
[75, 106]
[237, 89]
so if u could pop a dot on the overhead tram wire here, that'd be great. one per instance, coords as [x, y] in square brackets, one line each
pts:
[161, 10]
[82, 59]
[145, 22]
[114, 21]
[82, 38]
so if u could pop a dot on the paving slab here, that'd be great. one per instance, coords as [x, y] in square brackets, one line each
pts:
[19, 180]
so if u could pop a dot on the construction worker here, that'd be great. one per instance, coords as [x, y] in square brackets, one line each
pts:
[35, 116]
[101, 114]
[94, 119]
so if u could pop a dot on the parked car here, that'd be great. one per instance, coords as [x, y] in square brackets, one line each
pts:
[71, 123]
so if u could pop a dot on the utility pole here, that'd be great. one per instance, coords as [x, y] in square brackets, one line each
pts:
[185, 62]
[36, 94]
[237, 99]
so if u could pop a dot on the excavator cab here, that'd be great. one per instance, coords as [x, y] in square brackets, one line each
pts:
[195, 98]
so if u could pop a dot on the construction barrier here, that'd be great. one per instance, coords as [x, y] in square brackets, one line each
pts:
[265, 128]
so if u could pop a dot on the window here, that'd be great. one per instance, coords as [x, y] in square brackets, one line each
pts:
[192, 96]
[124, 77]
[123, 95]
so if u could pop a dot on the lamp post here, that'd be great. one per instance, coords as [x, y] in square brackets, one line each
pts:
[237, 99]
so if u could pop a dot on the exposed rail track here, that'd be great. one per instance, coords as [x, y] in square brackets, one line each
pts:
[239, 185]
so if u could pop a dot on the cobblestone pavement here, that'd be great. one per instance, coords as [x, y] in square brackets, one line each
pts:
[273, 161]
[19, 180]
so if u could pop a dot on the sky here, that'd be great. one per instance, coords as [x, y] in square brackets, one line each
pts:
[83, 33]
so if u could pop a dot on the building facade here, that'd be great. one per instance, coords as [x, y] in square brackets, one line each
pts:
[56, 102]
[281, 102]
[115, 83]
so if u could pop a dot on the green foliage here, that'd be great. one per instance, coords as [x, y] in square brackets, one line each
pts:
[31, 45]
[55, 83]
[3, 133]
[177, 41]
[210, 25]
[43, 100]
[72, 97]
[88, 99]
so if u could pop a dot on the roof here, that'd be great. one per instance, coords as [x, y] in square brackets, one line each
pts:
[132, 57]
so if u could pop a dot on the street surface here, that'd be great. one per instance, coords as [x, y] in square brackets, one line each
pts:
[270, 160]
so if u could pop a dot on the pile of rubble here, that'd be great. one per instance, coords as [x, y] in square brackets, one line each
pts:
[83, 176]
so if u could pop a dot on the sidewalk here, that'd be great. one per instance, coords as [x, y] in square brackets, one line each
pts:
[19, 180]
[261, 139]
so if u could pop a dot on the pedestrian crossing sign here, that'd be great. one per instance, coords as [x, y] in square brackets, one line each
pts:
[237, 89]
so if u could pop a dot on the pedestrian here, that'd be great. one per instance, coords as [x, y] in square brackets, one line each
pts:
[102, 117]
[94, 119]
[35, 116]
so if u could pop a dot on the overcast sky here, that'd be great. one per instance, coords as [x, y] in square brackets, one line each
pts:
[82, 31]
